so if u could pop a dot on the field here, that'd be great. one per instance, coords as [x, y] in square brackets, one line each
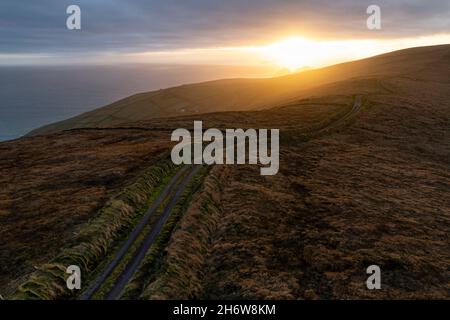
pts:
[372, 188]
[57, 183]
[369, 193]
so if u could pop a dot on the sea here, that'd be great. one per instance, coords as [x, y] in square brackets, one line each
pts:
[32, 96]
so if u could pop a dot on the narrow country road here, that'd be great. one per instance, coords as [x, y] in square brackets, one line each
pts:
[139, 255]
[355, 108]
[174, 189]
[96, 284]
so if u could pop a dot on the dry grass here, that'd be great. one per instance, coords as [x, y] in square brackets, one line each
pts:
[373, 191]
[95, 240]
[256, 94]
[55, 184]
[183, 271]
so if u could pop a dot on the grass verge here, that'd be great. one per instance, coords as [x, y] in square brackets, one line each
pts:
[154, 259]
[180, 274]
[96, 239]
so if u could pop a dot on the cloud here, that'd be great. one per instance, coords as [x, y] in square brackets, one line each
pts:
[119, 26]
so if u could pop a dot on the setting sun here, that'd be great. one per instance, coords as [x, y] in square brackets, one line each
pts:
[188, 153]
[292, 53]
[297, 52]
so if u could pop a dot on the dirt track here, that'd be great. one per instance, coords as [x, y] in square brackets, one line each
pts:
[169, 189]
[139, 255]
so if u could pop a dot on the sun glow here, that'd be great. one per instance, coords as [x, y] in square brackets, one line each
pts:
[295, 53]
[298, 52]
[292, 53]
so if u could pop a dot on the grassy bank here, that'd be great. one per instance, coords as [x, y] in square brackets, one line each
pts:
[153, 264]
[97, 238]
[180, 276]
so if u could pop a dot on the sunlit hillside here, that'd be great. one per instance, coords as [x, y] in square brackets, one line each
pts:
[256, 94]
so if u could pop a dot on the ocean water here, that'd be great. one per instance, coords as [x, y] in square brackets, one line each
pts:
[34, 96]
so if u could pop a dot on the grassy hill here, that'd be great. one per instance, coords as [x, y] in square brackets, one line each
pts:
[254, 94]
[373, 190]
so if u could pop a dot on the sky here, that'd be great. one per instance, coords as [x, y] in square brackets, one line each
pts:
[292, 34]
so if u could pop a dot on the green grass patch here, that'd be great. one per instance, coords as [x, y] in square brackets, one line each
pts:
[177, 273]
[98, 237]
[153, 263]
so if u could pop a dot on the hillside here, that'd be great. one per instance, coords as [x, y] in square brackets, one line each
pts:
[371, 190]
[251, 94]
[374, 191]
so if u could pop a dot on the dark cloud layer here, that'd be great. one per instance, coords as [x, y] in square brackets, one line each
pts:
[29, 26]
